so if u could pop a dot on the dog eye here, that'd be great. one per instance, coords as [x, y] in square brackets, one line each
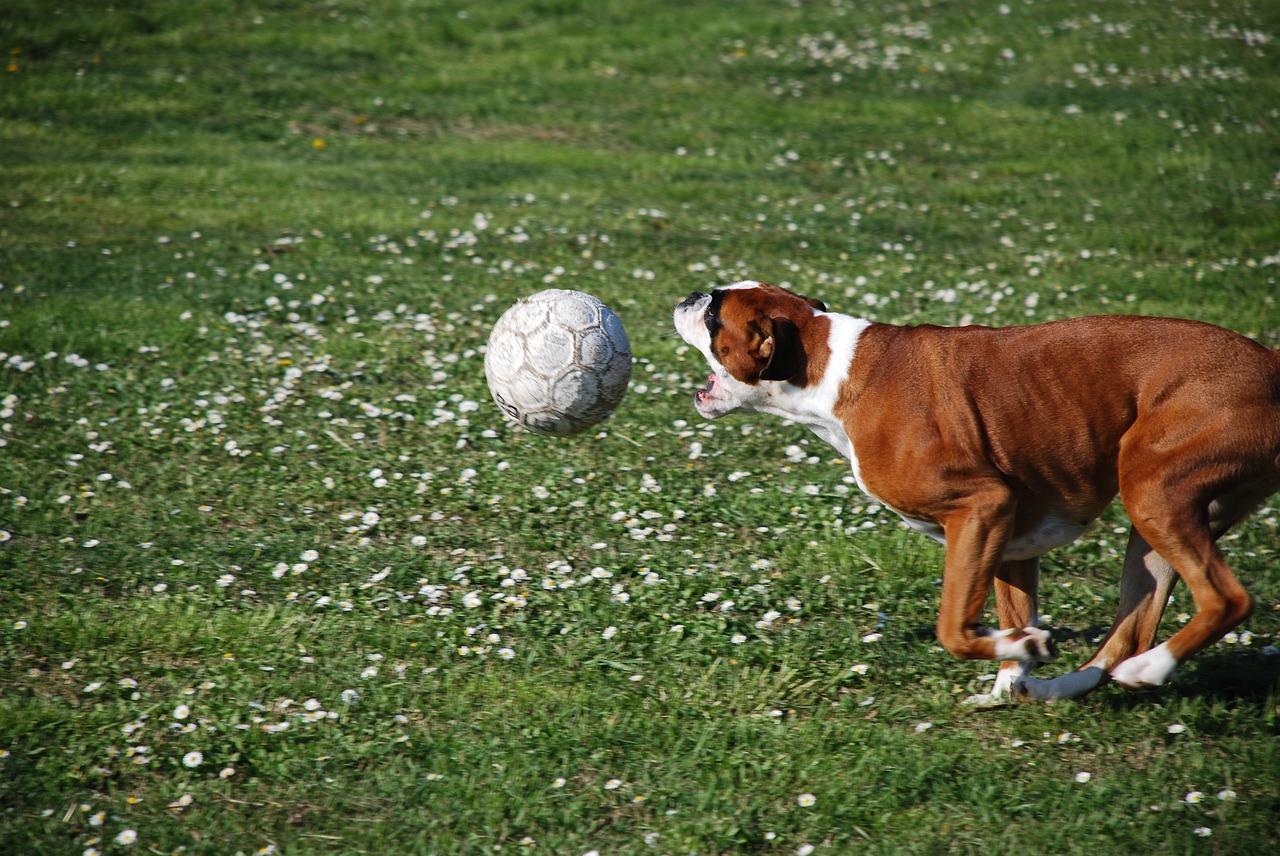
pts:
[712, 321]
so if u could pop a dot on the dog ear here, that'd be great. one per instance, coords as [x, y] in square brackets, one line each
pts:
[816, 304]
[780, 349]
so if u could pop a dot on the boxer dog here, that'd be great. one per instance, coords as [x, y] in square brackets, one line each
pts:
[1003, 443]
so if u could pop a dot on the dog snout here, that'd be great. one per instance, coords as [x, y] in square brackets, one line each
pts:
[693, 298]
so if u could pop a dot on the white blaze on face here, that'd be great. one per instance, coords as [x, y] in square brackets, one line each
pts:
[692, 326]
[723, 392]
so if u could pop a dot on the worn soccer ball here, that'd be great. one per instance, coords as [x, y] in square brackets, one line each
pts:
[558, 361]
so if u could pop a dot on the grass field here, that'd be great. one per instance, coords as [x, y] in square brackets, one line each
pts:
[277, 577]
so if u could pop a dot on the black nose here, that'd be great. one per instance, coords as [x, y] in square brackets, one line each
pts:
[693, 298]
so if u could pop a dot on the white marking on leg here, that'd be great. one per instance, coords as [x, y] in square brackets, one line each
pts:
[1000, 693]
[1034, 646]
[1150, 669]
[1006, 677]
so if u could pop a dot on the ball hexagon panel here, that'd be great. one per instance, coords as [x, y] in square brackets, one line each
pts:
[506, 355]
[549, 351]
[531, 317]
[594, 348]
[575, 310]
[575, 393]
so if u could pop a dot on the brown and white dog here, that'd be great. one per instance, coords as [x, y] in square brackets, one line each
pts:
[1004, 443]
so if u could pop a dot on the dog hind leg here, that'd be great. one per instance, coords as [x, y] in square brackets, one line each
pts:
[1144, 591]
[1187, 544]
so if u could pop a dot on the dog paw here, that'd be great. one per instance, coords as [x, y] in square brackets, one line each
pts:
[1028, 645]
[1002, 692]
[1041, 645]
[1021, 688]
[986, 701]
[1150, 669]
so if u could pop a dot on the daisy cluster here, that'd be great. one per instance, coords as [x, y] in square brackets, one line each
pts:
[918, 54]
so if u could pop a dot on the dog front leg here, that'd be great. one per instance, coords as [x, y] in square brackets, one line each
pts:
[976, 538]
[1017, 585]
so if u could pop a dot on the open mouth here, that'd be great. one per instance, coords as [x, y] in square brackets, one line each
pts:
[701, 394]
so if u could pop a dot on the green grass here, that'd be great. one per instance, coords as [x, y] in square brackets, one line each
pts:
[242, 272]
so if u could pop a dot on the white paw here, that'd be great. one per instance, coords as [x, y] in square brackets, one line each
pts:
[1000, 694]
[986, 700]
[1034, 645]
[1006, 678]
[1152, 668]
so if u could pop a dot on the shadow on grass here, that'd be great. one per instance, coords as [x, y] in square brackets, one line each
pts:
[1237, 678]
[1236, 674]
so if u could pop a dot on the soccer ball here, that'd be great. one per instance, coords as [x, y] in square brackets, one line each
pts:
[558, 361]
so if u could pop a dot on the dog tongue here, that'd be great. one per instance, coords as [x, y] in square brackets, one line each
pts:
[706, 390]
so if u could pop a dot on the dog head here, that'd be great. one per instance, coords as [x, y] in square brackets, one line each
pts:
[752, 335]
